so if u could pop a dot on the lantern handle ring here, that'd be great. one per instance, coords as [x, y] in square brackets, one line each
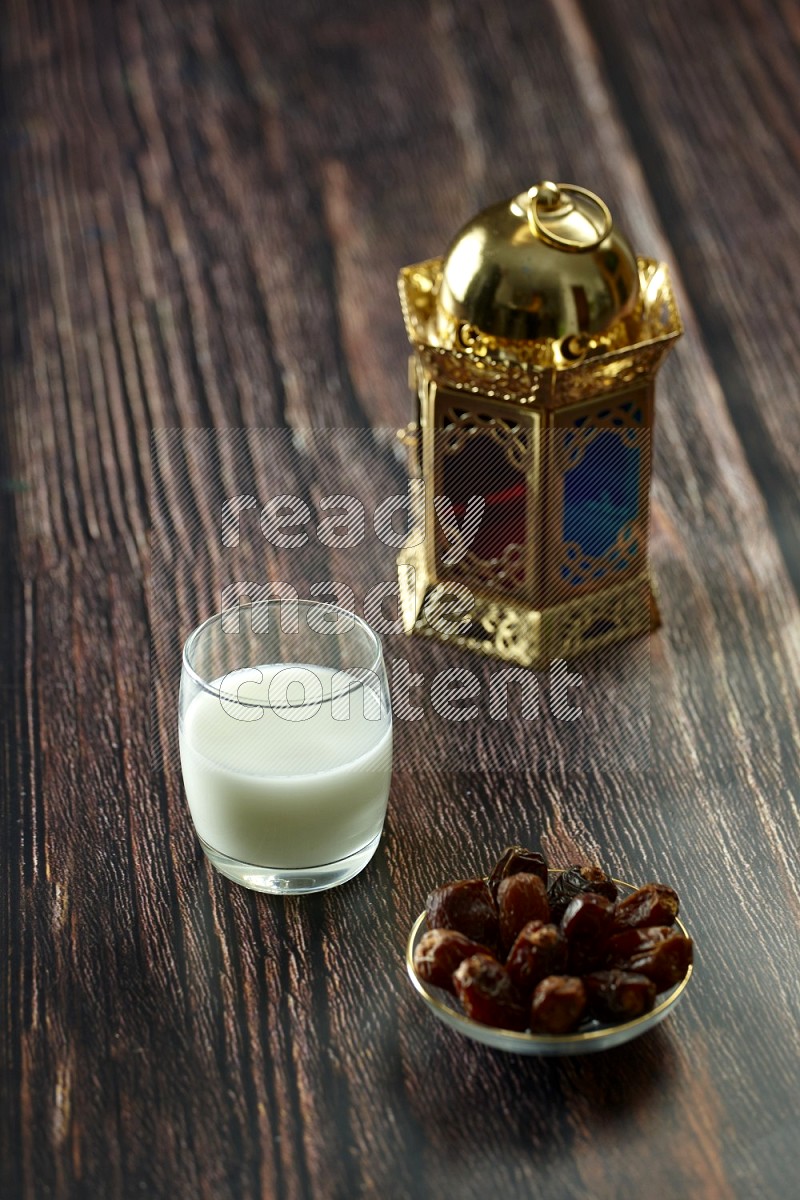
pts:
[547, 197]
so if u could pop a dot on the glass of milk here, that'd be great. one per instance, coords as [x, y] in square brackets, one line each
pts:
[286, 743]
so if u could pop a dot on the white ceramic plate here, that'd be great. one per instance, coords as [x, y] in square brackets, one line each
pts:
[588, 1038]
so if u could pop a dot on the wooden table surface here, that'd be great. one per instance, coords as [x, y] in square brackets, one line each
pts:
[205, 205]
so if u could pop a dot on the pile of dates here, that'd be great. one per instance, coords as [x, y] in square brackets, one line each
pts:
[528, 949]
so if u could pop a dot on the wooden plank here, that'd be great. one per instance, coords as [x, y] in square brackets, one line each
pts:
[711, 103]
[215, 244]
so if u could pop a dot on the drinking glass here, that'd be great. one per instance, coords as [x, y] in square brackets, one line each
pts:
[285, 733]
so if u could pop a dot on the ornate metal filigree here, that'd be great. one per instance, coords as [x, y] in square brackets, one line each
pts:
[466, 372]
[626, 419]
[459, 426]
[601, 618]
[656, 313]
[506, 571]
[572, 566]
[452, 334]
[510, 630]
[417, 286]
[533, 638]
[577, 568]
[608, 373]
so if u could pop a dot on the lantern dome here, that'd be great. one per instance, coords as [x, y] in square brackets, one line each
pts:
[548, 263]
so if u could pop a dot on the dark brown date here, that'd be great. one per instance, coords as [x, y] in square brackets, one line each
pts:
[539, 951]
[487, 994]
[619, 995]
[660, 952]
[558, 1004]
[520, 898]
[587, 924]
[630, 941]
[465, 905]
[438, 954]
[516, 860]
[652, 904]
[575, 880]
[588, 916]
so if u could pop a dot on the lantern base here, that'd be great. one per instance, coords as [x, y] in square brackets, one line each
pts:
[531, 637]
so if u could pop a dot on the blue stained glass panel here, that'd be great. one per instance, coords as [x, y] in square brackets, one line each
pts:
[601, 493]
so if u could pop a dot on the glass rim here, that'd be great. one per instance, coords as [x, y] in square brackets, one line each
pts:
[277, 601]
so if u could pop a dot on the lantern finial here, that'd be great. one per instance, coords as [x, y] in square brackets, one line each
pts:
[546, 263]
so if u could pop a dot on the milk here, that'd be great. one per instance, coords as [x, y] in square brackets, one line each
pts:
[287, 787]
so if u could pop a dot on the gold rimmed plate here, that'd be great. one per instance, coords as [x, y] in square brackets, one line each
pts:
[590, 1037]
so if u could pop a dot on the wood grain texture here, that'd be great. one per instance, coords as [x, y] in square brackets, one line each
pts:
[713, 124]
[204, 209]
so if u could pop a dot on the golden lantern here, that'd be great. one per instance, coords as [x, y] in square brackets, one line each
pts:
[536, 341]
